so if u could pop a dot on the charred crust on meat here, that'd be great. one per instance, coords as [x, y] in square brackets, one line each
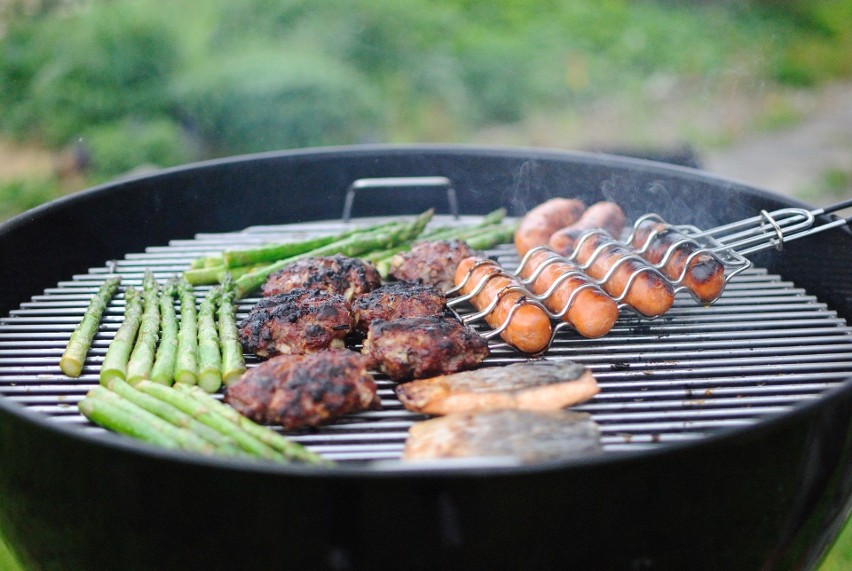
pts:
[432, 262]
[298, 321]
[397, 300]
[337, 274]
[411, 348]
[302, 391]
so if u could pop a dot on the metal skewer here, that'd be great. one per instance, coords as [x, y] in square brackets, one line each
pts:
[729, 243]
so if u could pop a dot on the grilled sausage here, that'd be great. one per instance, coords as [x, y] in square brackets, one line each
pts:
[592, 312]
[606, 216]
[705, 277]
[650, 293]
[541, 222]
[529, 328]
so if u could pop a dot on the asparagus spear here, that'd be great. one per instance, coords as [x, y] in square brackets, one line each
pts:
[499, 235]
[111, 411]
[142, 358]
[382, 257]
[115, 361]
[291, 450]
[203, 414]
[176, 417]
[163, 371]
[233, 362]
[216, 274]
[490, 221]
[241, 262]
[272, 252]
[351, 246]
[477, 237]
[118, 419]
[186, 362]
[209, 352]
[72, 359]
[205, 261]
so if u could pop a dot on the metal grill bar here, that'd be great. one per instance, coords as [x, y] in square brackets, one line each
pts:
[763, 348]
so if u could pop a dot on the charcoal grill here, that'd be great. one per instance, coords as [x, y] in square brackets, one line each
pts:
[726, 428]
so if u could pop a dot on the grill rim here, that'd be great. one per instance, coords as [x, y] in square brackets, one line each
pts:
[107, 439]
[149, 236]
[723, 437]
[781, 535]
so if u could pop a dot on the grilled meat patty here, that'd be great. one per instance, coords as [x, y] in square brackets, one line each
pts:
[417, 347]
[431, 262]
[299, 321]
[397, 300]
[531, 385]
[525, 435]
[297, 391]
[349, 277]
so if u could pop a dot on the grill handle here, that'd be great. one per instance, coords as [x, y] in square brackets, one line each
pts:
[436, 182]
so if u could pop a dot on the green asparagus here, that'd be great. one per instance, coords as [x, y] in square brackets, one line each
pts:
[233, 362]
[490, 222]
[163, 371]
[118, 352]
[205, 415]
[203, 261]
[111, 411]
[216, 274]
[186, 362]
[118, 419]
[354, 245]
[176, 417]
[477, 237]
[74, 356]
[209, 351]
[268, 253]
[142, 358]
[291, 450]
[274, 252]
[498, 235]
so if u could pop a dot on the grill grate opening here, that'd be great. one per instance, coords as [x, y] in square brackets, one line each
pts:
[764, 347]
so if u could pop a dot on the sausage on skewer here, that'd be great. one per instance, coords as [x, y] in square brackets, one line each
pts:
[592, 313]
[541, 222]
[529, 328]
[705, 276]
[606, 216]
[649, 293]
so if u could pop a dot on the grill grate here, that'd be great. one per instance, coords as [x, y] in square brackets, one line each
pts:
[762, 348]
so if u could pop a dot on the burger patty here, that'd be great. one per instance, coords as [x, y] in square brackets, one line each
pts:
[296, 391]
[417, 347]
[298, 321]
[431, 262]
[397, 300]
[349, 277]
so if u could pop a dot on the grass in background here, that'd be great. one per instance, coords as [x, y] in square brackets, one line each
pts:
[23, 194]
[839, 558]
[151, 79]
[8, 562]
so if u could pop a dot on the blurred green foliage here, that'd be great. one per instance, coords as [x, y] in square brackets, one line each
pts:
[22, 194]
[138, 81]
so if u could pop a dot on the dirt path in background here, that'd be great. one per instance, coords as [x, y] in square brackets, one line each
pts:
[795, 161]
[24, 161]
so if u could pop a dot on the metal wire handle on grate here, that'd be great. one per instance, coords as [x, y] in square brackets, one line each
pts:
[728, 245]
[774, 229]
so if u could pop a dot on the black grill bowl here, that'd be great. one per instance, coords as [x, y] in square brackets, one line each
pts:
[770, 496]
